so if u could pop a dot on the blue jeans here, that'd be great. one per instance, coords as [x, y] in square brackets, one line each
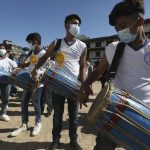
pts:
[58, 104]
[13, 89]
[104, 143]
[5, 91]
[36, 96]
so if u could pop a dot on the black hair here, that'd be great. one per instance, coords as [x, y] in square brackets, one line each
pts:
[126, 8]
[12, 56]
[34, 37]
[71, 17]
[1, 44]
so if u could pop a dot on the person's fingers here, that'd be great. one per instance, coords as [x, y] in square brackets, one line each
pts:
[80, 105]
[86, 100]
[91, 91]
[81, 98]
[85, 104]
[33, 73]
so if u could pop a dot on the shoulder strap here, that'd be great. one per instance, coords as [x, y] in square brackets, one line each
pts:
[116, 60]
[28, 55]
[57, 46]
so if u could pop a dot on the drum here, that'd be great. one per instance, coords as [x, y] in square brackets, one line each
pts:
[23, 79]
[61, 82]
[121, 117]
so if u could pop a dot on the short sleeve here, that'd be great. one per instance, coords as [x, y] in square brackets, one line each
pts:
[110, 51]
[13, 63]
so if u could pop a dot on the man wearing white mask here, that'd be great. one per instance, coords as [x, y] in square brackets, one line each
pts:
[34, 41]
[6, 67]
[74, 63]
[133, 74]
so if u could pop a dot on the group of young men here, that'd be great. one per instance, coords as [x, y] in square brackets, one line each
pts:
[133, 73]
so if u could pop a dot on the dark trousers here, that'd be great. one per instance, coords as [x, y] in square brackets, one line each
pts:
[104, 143]
[58, 104]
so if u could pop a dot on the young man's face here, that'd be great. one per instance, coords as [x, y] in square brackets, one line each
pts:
[32, 44]
[124, 22]
[73, 21]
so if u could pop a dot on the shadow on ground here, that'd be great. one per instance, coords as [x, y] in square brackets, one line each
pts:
[31, 146]
[83, 122]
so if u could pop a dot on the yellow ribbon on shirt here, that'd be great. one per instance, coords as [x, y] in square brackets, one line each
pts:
[34, 59]
[59, 59]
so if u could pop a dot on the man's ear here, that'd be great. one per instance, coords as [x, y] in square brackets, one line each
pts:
[140, 21]
[67, 26]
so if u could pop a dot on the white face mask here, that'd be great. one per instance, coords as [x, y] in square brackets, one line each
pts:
[74, 29]
[2, 52]
[126, 36]
[31, 46]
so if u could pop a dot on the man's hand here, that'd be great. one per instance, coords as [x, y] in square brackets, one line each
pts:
[84, 95]
[15, 71]
[34, 74]
[25, 65]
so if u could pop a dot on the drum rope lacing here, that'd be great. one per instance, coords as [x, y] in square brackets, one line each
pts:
[119, 114]
[126, 104]
[113, 125]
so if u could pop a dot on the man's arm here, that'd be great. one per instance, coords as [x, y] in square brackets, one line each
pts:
[83, 65]
[101, 67]
[48, 53]
[85, 89]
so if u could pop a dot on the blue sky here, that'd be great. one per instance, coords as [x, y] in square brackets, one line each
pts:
[21, 17]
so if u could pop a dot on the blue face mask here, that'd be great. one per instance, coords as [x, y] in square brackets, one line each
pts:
[126, 36]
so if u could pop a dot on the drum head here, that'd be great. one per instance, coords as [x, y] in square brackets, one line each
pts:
[101, 101]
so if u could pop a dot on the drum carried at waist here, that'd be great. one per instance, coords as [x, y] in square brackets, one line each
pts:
[61, 82]
[122, 117]
[23, 79]
[18, 77]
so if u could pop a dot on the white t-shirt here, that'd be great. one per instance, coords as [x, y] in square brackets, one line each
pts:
[7, 65]
[32, 65]
[72, 56]
[133, 73]
[42, 69]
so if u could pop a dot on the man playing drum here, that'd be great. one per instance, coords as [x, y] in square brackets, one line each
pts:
[74, 52]
[34, 41]
[133, 73]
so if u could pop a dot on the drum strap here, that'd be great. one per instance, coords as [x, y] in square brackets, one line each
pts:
[115, 62]
[56, 48]
[28, 55]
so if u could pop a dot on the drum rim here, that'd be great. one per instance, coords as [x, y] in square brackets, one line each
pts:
[103, 97]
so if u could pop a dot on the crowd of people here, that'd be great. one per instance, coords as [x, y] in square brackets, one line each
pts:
[128, 19]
